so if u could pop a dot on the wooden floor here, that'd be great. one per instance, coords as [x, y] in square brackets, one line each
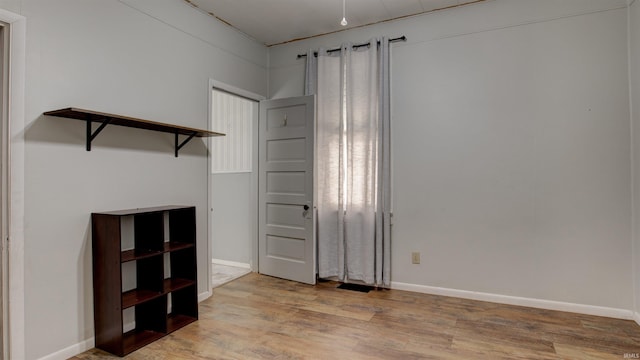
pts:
[260, 317]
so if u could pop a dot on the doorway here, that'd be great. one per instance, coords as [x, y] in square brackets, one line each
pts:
[232, 179]
[251, 169]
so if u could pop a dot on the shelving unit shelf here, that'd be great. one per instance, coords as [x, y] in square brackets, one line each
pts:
[104, 119]
[164, 297]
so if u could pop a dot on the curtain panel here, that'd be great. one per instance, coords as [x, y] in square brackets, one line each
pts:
[353, 161]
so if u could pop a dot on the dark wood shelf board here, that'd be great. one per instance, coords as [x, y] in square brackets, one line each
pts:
[95, 116]
[135, 339]
[104, 119]
[176, 321]
[131, 255]
[174, 284]
[175, 246]
[138, 296]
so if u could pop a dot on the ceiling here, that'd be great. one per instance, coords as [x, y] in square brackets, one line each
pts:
[273, 22]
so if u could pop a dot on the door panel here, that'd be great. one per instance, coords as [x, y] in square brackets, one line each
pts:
[290, 116]
[288, 249]
[286, 242]
[286, 183]
[286, 150]
[288, 216]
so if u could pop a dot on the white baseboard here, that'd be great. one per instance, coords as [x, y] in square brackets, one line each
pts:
[71, 351]
[636, 317]
[520, 301]
[231, 263]
[204, 296]
[89, 344]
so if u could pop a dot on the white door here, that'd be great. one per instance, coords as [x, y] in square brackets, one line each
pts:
[286, 214]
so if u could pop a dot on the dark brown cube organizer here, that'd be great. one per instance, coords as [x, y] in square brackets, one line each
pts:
[150, 297]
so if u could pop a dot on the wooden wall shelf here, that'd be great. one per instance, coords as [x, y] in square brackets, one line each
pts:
[90, 116]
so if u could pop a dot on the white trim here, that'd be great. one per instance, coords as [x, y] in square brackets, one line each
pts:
[254, 265]
[214, 84]
[231, 263]
[89, 344]
[633, 190]
[636, 317]
[17, 67]
[209, 209]
[5, 34]
[520, 301]
[205, 295]
[71, 351]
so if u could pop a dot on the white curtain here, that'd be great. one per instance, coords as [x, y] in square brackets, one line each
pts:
[353, 161]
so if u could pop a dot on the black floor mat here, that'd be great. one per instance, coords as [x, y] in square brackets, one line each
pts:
[356, 287]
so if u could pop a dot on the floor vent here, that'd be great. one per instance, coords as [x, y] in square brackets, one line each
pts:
[356, 287]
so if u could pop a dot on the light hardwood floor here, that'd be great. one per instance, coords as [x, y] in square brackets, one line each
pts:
[260, 317]
[222, 274]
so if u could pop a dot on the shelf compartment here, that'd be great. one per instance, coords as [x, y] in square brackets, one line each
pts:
[135, 339]
[138, 296]
[175, 284]
[131, 255]
[176, 321]
[185, 302]
[175, 246]
[148, 231]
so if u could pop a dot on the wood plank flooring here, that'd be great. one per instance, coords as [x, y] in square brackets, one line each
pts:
[260, 317]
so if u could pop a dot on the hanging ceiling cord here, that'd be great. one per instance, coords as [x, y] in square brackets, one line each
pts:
[344, 12]
[401, 38]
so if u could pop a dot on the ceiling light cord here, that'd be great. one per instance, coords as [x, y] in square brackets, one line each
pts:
[344, 18]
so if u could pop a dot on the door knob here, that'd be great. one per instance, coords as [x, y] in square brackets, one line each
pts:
[306, 207]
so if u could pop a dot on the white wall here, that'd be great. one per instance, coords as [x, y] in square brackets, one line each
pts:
[634, 78]
[511, 147]
[11, 5]
[232, 216]
[144, 58]
[511, 142]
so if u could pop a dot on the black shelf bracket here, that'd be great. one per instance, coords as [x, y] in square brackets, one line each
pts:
[92, 135]
[183, 143]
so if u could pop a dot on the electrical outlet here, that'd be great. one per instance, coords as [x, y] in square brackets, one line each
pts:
[415, 258]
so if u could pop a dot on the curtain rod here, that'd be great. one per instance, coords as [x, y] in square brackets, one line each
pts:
[401, 38]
